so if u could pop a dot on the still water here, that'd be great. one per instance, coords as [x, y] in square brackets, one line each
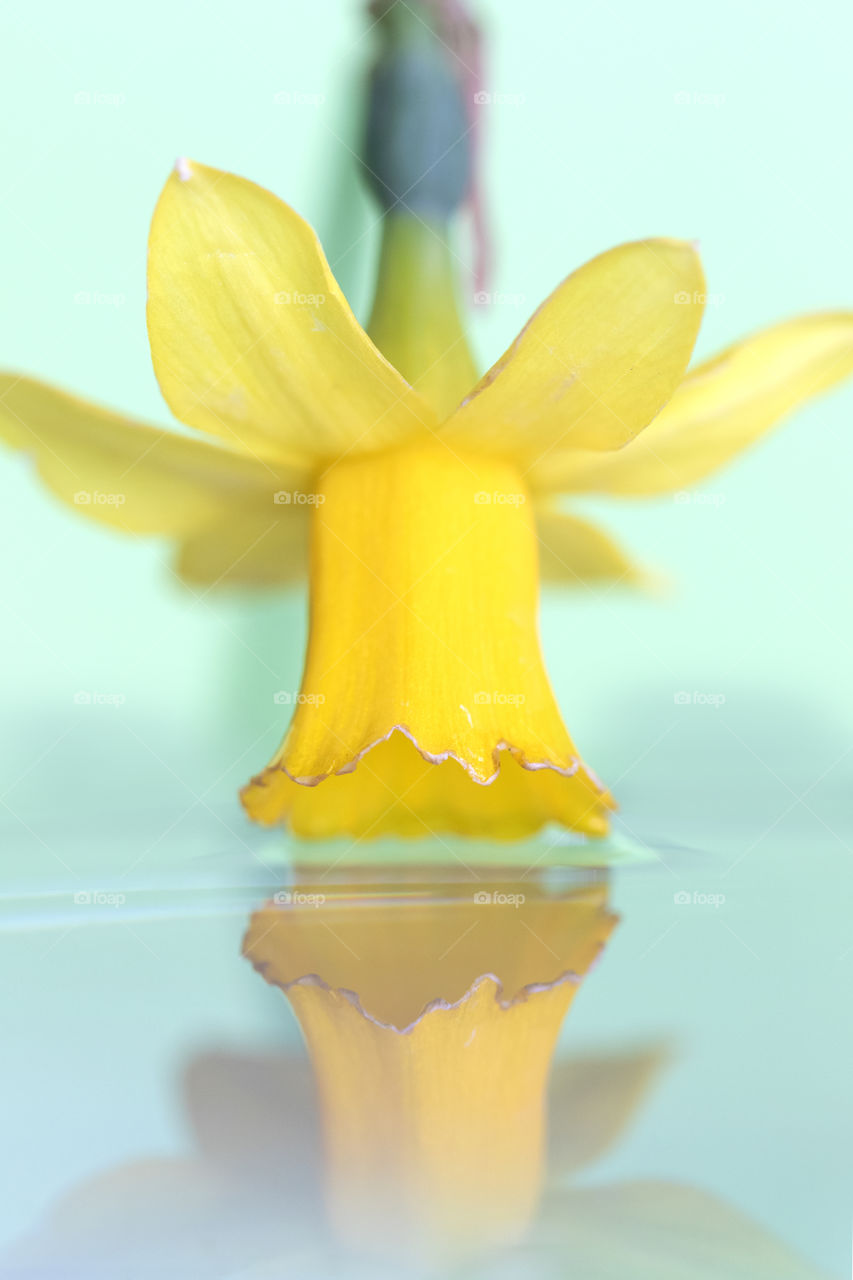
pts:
[161, 1117]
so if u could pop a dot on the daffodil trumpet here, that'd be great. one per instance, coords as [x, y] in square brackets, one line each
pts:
[431, 1014]
[424, 502]
[424, 673]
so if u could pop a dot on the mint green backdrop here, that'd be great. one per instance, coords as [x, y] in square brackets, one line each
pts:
[728, 124]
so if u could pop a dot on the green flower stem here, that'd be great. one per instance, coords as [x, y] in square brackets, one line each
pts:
[417, 162]
[415, 321]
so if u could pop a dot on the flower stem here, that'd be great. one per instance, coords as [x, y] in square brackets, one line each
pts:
[415, 320]
[417, 161]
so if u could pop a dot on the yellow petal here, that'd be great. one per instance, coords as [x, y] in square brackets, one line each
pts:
[721, 408]
[596, 362]
[445, 1009]
[250, 334]
[592, 1101]
[662, 1231]
[263, 545]
[424, 624]
[574, 552]
[229, 1098]
[138, 478]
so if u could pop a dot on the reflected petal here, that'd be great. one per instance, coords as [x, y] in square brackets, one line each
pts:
[256, 1116]
[657, 1231]
[593, 1100]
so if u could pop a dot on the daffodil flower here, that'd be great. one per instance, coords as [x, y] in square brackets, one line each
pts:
[427, 497]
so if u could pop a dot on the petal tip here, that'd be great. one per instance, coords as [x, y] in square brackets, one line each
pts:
[183, 168]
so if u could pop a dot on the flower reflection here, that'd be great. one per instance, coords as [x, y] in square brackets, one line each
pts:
[248, 1202]
[431, 1011]
[456, 1128]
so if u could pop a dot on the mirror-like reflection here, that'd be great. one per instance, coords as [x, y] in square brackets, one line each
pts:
[414, 1139]
[431, 1010]
[248, 1201]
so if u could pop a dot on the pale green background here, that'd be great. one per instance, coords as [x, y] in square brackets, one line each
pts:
[755, 166]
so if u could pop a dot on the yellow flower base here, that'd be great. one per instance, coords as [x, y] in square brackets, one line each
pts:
[424, 652]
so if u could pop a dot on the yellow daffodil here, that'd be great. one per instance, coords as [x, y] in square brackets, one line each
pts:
[425, 497]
